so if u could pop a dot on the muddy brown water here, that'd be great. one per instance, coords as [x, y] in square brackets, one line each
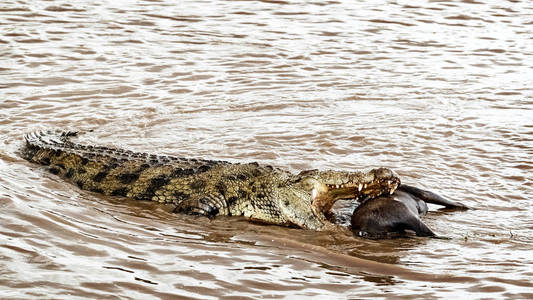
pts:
[440, 91]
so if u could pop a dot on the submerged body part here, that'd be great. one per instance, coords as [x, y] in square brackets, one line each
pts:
[398, 212]
[207, 187]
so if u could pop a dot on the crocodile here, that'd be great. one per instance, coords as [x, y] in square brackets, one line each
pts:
[207, 187]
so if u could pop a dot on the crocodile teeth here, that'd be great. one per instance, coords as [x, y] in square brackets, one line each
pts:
[360, 187]
[393, 189]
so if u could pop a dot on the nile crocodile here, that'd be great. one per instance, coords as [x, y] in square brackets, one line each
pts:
[207, 187]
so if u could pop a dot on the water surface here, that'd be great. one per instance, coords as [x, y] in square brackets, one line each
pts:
[438, 90]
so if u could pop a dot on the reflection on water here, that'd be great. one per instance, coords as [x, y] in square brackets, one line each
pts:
[438, 91]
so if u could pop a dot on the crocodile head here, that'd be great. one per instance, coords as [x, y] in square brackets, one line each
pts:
[313, 193]
[331, 186]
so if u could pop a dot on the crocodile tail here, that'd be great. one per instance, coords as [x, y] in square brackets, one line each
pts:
[86, 166]
[47, 139]
[113, 171]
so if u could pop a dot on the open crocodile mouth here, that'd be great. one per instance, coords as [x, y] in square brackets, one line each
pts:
[362, 190]
[367, 185]
[375, 188]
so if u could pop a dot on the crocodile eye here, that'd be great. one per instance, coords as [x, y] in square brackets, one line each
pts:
[382, 173]
[385, 173]
[308, 183]
[308, 172]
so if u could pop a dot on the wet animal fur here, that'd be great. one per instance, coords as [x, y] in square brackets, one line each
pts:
[382, 216]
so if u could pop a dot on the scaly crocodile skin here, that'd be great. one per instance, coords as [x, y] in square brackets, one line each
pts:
[206, 187]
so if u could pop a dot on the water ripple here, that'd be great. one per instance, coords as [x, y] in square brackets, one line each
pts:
[439, 91]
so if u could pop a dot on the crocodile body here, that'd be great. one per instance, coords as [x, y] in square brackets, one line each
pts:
[206, 187]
